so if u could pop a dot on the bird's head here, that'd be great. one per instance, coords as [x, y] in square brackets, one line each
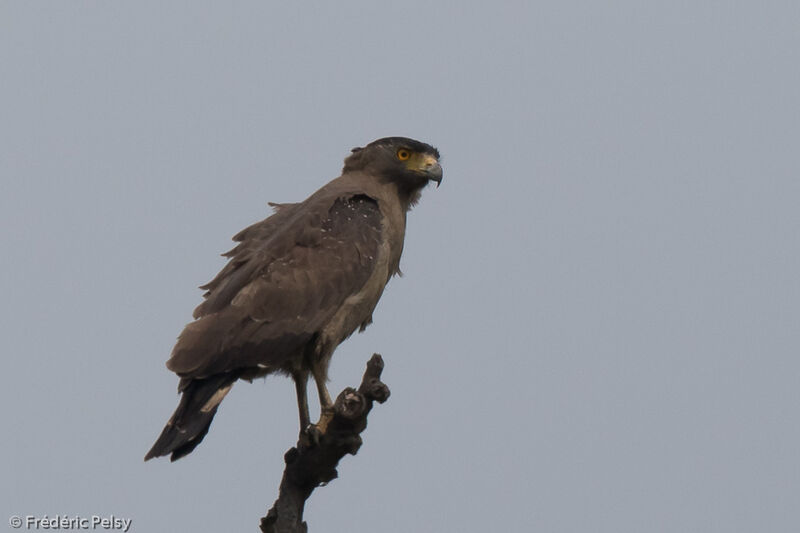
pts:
[408, 163]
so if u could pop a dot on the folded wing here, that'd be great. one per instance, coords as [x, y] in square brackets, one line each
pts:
[286, 278]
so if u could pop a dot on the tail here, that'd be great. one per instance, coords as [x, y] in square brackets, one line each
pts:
[191, 420]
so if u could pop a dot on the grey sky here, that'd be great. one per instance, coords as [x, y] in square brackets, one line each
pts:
[597, 329]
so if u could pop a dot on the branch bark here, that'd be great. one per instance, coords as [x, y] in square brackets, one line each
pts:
[309, 466]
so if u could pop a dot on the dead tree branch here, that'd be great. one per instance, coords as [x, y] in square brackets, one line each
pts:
[311, 465]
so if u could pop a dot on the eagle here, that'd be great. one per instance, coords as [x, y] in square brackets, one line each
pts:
[296, 285]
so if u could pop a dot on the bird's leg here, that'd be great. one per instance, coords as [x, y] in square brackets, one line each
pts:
[300, 384]
[320, 373]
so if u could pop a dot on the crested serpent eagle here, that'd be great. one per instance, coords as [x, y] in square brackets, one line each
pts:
[296, 285]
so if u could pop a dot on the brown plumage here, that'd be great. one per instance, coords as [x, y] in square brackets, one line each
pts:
[296, 285]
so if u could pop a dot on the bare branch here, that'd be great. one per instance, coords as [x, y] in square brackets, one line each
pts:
[309, 466]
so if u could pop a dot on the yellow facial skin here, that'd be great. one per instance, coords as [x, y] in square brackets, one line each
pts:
[416, 161]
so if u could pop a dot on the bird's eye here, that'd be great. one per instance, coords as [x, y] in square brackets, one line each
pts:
[403, 154]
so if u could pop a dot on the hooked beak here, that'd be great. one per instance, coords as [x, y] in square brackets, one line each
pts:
[432, 169]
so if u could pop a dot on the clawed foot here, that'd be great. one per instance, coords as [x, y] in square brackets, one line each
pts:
[311, 435]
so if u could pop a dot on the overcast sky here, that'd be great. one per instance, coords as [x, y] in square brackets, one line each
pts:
[599, 323]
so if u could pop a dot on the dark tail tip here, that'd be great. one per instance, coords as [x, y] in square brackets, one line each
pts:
[177, 443]
[193, 417]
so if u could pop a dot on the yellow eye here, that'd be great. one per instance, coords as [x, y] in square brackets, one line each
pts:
[403, 154]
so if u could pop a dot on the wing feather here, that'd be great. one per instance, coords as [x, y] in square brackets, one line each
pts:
[284, 281]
